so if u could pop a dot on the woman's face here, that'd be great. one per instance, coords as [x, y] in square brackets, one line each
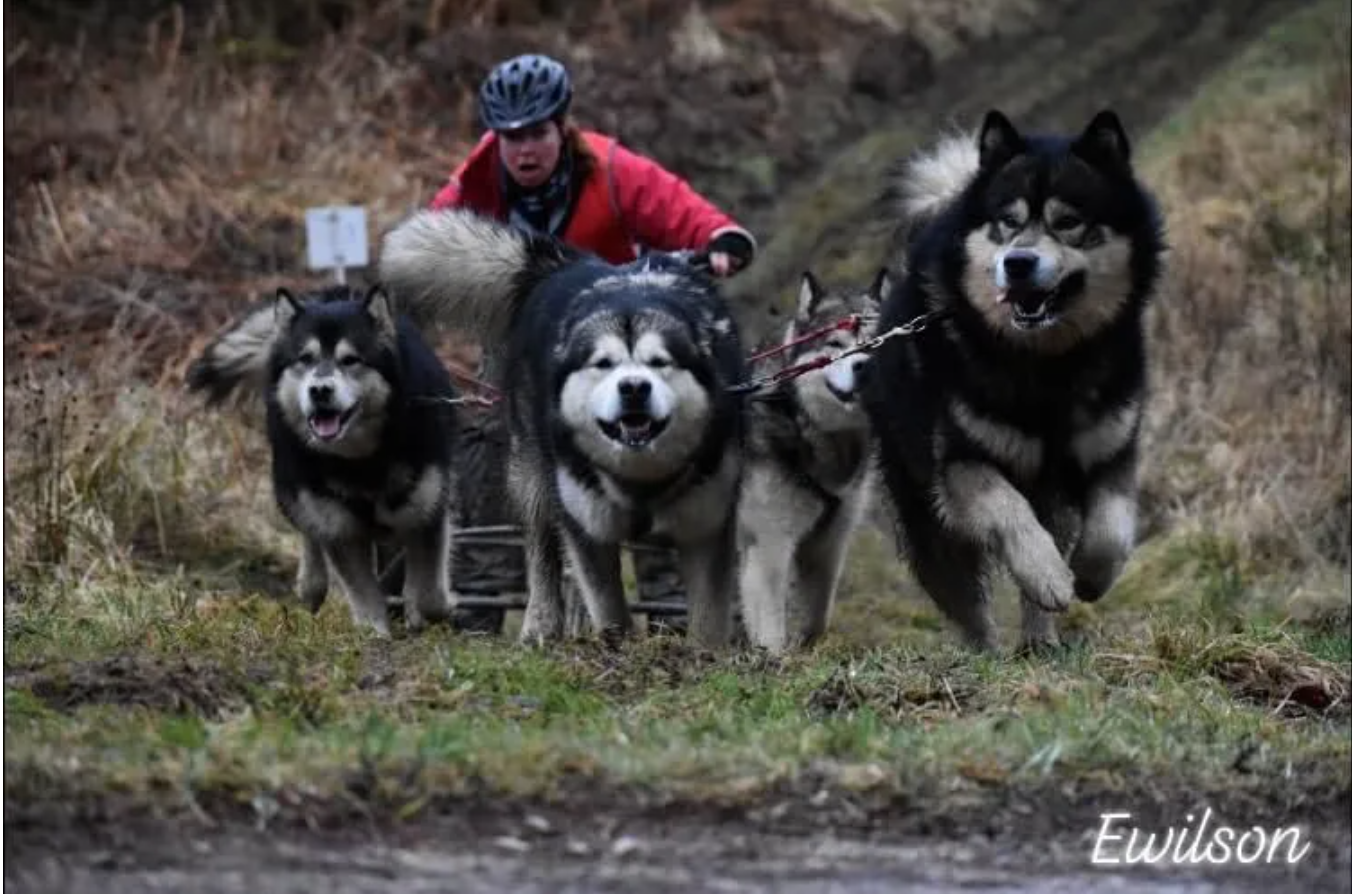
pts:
[531, 153]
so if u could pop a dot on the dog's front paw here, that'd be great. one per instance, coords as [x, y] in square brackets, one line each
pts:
[371, 617]
[537, 631]
[1039, 631]
[1105, 547]
[1043, 577]
[421, 609]
[312, 597]
[377, 627]
[1095, 574]
[312, 587]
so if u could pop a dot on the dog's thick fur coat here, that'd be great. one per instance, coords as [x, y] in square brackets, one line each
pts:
[621, 422]
[361, 428]
[809, 473]
[1008, 431]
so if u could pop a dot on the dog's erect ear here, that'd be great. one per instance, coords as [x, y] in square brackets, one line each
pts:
[809, 293]
[999, 140]
[287, 307]
[881, 286]
[378, 308]
[1104, 141]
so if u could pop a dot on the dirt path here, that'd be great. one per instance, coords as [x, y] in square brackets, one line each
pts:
[548, 850]
[841, 866]
[803, 836]
[1143, 60]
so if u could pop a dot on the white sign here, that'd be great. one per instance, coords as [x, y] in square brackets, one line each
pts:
[335, 238]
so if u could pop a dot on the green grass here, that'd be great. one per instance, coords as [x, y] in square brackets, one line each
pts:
[137, 690]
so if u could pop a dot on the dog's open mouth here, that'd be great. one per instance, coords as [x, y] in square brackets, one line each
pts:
[329, 424]
[634, 429]
[1033, 308]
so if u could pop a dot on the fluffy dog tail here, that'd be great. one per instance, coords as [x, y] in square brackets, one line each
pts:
[235, 364]
[926, 183]
[457, 269]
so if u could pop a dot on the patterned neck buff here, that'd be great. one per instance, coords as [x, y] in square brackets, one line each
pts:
[543, 208]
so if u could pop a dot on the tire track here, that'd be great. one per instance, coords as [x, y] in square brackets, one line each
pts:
[1143, 60]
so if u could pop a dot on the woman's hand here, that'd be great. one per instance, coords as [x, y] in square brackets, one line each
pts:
[724, 264]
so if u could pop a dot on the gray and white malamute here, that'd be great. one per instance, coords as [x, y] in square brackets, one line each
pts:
[1008, 429]
[809, 472]
[361, 429]
[621, 420]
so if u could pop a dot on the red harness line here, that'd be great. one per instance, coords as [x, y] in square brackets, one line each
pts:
[484, 400]
[852, 323]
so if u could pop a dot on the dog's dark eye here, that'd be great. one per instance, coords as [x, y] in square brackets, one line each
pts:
[603, 363]
[659, 363]
[1010, 221]
[1067, 222]
[836, 344]
[350, 360]
[307, 358]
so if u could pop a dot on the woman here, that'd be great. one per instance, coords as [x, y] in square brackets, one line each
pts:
[536, 169]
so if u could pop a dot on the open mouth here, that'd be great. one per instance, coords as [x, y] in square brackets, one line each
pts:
[1033, 308]
[634, 430]
[329, 424]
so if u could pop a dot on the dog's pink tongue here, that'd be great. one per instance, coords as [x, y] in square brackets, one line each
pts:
[326, 426]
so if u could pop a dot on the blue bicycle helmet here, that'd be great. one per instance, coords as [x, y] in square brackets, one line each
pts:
[524, 90]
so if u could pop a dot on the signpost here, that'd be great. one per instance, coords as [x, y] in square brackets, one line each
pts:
[335, 237]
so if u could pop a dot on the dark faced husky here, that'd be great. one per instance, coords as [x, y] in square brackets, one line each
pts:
[809, 471]
[622, 424]
[361, 429]
[1008, 429]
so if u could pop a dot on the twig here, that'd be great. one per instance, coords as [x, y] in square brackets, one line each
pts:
[46, 195]
[957, 709]
[126, 298]
[1277, 711]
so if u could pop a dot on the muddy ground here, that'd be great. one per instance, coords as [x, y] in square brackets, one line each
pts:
[801, 838]
[780, 127]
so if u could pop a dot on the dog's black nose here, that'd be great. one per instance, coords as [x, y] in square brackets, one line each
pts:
[635, 389]
[1020, 265]
[321, 393]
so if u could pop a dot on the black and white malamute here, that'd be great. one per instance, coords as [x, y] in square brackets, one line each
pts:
[621, 422]
[810, 471]
[1008, 429]
[361, 428]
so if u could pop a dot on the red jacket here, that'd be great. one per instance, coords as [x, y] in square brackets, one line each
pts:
[627, 202]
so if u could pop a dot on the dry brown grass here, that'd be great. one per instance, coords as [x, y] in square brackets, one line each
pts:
[159, 169]
[109, 477]
[1251, 429]
[190, 168]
